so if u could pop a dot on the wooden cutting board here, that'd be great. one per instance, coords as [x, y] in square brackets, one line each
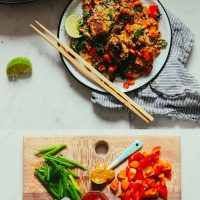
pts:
[83, 150]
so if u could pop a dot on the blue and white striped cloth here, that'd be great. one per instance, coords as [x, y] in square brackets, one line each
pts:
[174, 93]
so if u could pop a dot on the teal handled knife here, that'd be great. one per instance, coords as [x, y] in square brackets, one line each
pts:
[134, 147]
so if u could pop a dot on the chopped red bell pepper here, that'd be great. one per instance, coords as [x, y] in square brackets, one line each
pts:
[126, 85]
[107, 58]
[135, 157]
[88, 8]
[122, 174]
[152, 192]
[112, 69]
[125, 184]
[114, 185]
[101, 67]
[162, 190]
[131, 173]
[134, 164]
[153, 11]
[145, 176]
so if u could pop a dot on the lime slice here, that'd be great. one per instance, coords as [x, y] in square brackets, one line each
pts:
[72, 25]
[18, 66]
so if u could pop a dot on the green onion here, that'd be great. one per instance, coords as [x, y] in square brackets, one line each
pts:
[58, 161]
[56, 149]
[57, 177]
[42, 150]
[76, 185]
[74, 174]
[74, 163]
[49, 188]
[47, 171]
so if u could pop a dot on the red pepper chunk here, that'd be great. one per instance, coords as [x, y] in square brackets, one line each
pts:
[147, 55]
[153, 11]
[131, 173]
[162, 190]
[88, 8]
[124, 184]
[126, 85]
[101, 67]
[152, 192]
[114, 185]
[107, 58]
[135, 157]
[112, 69]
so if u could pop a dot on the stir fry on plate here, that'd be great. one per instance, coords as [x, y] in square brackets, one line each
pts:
[121, 38]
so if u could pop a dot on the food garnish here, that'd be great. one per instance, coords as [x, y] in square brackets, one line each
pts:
[19, 66]
[145, 177]
[119, 38]
[72, 24]
[56, 174]
[101, 174]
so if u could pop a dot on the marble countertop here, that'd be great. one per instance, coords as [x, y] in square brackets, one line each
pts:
[51, 98]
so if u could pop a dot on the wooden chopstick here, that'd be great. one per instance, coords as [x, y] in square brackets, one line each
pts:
[97, 73]
[101, 80]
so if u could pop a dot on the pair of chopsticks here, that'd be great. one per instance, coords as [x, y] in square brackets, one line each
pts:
[88, 70]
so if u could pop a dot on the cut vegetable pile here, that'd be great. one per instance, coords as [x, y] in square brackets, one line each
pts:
[145, 177]
[57, 175]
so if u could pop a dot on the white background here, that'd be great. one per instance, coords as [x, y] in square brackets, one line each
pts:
[51, 99]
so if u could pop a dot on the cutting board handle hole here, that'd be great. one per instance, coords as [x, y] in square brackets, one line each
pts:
[101, 147]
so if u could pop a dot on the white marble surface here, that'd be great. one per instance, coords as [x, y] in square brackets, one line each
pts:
[11, 158]
[51, 98]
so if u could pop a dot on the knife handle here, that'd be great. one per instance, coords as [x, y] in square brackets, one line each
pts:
[134, 147]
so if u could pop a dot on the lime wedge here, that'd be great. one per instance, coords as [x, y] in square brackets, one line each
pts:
[18, 66]
[72, 25]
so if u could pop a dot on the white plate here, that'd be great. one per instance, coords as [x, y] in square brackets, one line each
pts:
[165, 27]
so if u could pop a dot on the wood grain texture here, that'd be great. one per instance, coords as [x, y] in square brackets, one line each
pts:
[82, 149]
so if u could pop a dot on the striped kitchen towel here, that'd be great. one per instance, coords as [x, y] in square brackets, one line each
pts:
[174, 93]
